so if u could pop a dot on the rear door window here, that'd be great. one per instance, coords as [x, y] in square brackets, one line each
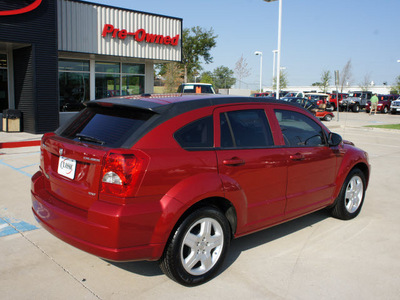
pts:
[107, 126]
[245, 129]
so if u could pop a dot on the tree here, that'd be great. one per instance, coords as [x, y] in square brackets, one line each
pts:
[326, 78]
[223, 78]
[207, 77]
[345, 75]
[395, 89]
[283, 81]
[365, 83]
[242, 69]
[197, 43]
[173, 77]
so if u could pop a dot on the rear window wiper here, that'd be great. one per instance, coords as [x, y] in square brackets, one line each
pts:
[83, 137]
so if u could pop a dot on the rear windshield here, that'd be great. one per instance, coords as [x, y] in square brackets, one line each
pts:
[107, 126]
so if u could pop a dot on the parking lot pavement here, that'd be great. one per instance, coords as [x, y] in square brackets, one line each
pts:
[313, 257]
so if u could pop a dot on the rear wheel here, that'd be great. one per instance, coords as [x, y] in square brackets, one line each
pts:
[197, 248]
[356, 108]
[328, 118]
[350, 200]
[385, 110]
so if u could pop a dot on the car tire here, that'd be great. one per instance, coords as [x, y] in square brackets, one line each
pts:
[197, 248]
[328, 118]
[351, 198]
[356, 108]
[385, 110]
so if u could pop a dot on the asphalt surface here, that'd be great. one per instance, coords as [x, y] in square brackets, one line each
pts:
[313, 257]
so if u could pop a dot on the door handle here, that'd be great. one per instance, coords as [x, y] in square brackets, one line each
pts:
[233, 162]
[297, 156]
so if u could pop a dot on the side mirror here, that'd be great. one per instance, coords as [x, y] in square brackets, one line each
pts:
[334, 139]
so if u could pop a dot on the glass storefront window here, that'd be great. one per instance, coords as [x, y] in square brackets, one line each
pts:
[107, 85]
[74, 84]
[3, 83]
[110, 82]
[133, 69]
[73, 65]
[132, 85]
[107, 67]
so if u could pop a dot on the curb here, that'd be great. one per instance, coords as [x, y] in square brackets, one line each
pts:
[19, 144]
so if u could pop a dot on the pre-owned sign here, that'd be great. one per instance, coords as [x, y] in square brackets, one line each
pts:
[22, 10]
[139, 35]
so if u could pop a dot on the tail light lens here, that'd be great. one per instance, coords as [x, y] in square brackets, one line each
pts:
[43, 147]
[120, 174]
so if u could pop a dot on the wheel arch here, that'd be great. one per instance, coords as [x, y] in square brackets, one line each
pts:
[343, 173]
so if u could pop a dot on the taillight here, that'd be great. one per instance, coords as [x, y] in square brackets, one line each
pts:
[43, 147]
[120, 174]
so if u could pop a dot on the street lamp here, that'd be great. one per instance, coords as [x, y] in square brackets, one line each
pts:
[278, 69]
[260, 53]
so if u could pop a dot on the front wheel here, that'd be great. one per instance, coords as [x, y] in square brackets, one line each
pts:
[356, 108]
[351, 198]
[385, 110]
[197, 248]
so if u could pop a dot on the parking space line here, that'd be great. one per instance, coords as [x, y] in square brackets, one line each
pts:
[15, 169]
[10, 226]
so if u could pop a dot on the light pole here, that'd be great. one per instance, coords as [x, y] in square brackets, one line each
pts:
[260, 53]
[278, 68]
[274, 64]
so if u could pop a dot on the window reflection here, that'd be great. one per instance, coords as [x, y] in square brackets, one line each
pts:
[74, 84]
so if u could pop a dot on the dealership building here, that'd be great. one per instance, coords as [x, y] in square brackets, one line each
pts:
[57, 54]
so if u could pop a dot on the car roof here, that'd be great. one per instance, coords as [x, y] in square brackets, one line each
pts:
[196, 83]
[161, 103]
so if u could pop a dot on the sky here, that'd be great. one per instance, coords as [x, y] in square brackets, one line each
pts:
[317, 35]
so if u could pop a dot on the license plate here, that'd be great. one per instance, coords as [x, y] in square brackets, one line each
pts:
[66, 167]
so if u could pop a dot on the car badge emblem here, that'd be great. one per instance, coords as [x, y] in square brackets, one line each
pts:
[61, 151]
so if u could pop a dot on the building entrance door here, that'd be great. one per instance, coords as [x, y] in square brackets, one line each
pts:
[3, 83]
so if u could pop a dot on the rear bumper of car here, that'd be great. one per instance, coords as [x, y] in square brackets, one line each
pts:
[113, 232]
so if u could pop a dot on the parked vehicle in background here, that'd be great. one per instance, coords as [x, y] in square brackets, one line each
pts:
[174, 179]
[265, 94]
[333, 101]
[196, 88]
[356, 101]
[293, 99]
[383, 103]
[281, 94]
[293, 94]
[319, 99]
[317, 110]
[395, 106]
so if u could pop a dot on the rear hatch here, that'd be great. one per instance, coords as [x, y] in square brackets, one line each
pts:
[72, 158]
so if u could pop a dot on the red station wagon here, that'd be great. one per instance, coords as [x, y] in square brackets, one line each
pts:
[174, 179]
